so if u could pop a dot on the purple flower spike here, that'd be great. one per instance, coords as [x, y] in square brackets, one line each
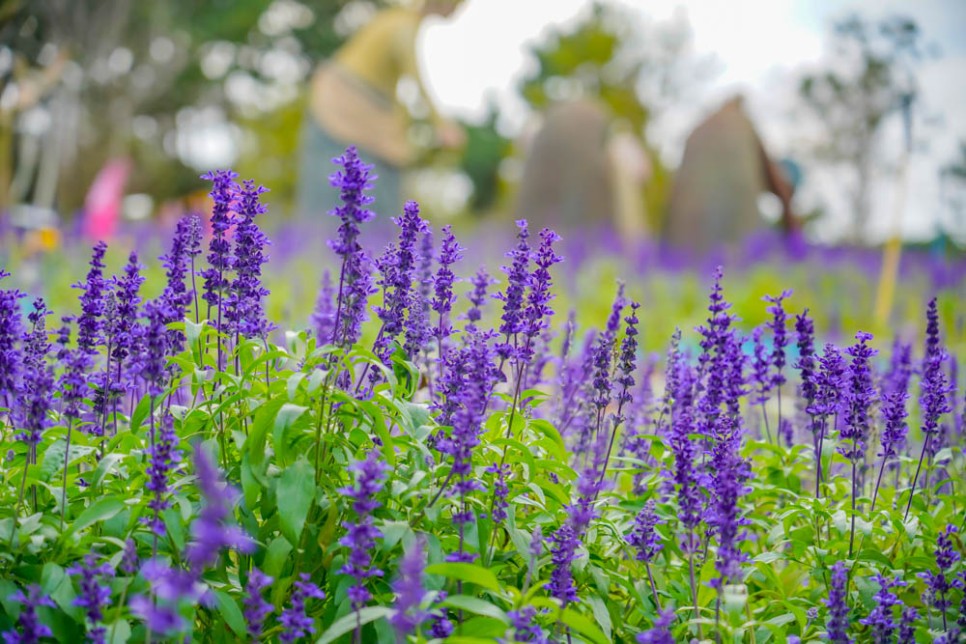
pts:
[29, 630]
[881, 618]
[477, 297]
[660, 632]
[355, 279]
[643, 537]
[244, 310]
[907, 626]
[779, 336]
[859, 398]
[211, 531]
[361, 535]
[323, 319]
[524, 627]
[38, 378]
[165, 458]
[938, 584]
[536, 315]
[449, 253]
[94, 596]
[216, 276]
[11, 332]
[256, 608]
[838, 624]
[934, 392]
[518, 278]
[409, 590]
[294, 620]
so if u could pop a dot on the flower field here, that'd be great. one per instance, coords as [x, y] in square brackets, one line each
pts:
[446, 454]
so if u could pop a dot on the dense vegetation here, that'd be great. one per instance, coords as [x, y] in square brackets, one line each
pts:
[416, 466]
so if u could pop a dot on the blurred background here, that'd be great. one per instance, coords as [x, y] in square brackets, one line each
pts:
[670, 130]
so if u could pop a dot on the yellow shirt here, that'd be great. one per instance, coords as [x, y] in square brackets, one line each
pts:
[353, 96]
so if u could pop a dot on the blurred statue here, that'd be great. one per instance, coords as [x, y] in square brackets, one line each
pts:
[353, 101]
[584, 169]
[724, 171]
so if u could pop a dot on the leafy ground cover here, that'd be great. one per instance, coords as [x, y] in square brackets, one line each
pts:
[446, 459]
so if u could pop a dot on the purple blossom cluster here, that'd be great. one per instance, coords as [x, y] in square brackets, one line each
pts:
[361, 534]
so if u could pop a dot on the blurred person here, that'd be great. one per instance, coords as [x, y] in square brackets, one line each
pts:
[724, 170]
[353, 101]
[584, 169]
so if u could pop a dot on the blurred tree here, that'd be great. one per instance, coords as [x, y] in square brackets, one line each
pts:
[176, 85]
[870, 76]
[638, 69]
[484, 152]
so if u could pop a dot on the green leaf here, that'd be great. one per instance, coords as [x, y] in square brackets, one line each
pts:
[100, 510]
[287, 416]
[231, 613]
[276, 556]
[264, 419]
[583, 625]
[53, 459]
[476, 606]
[119, 632]
[348, 622]
[106, 465]
[295, 492]
[467, 572]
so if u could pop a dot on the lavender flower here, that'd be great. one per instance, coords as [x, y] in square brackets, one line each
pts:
[537, 313]
[567, 538]
[294, 620]
[518, 278]
[933, 397]
[129, 558]
[361, 535]
[29, 629]
[524, 627]
[627, 362]
[937, 583]
[779, 336]
[477, 297]
[164, 458]
[244, 310]
[907, 626]
[155, 346]
[397, 266]
[90, 324]
[660, 632]
[643, 537]
[355, 280]
[761, 368]
[216, 276]
[38, 378]
[184, 246]
[323, 319]
[881, 618]
[94, 596]
[449, 253]
[808, 390]
[211, 531]
[126, 332]
[838, 624]
[409, 590]
[11, 332]
[418, 332]
[256, 608]
[859, 397]
[500, 491]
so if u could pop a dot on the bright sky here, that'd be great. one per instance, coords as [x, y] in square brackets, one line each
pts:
[481, 53]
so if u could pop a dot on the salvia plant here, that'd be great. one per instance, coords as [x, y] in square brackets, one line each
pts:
[438, 455]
